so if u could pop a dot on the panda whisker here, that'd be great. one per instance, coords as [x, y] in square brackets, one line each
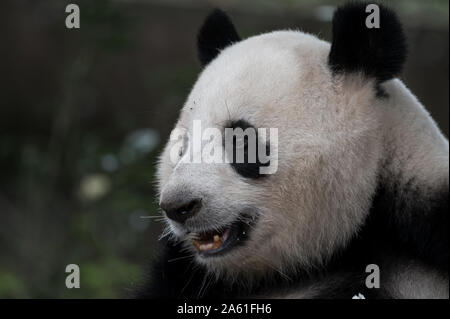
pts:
[158, 219]
[267, 263]
[204, 285]
[228, 110]
[152, 217]
[194, 271]
[186, 247]
[180, 258]
[167, 232]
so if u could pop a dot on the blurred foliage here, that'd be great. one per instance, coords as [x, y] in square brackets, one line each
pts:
[65, 203]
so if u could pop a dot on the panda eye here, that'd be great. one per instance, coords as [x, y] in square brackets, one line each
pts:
[241, 143]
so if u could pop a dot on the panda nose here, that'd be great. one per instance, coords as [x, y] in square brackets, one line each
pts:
[180, 211]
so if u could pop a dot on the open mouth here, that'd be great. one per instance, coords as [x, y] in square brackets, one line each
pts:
[217, 242]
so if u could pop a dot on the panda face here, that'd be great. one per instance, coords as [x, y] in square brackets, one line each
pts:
[328, 151]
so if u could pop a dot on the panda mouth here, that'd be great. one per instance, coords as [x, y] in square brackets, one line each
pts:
[215, 242]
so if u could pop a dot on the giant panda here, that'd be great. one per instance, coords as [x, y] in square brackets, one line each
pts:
[362, 171]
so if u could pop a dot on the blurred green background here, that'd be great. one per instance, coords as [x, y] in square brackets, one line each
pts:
[84, 114]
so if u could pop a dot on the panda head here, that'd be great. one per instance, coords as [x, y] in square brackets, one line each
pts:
[325, 103]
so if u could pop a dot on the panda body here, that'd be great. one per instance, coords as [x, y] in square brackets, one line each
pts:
[362, 175]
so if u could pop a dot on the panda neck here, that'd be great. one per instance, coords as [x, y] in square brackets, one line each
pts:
[413, 185]
[415, 151]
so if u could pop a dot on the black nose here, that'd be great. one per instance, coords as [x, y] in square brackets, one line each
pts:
[181, 210]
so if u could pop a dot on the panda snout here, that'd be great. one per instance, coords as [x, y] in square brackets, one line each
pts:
[180, 210]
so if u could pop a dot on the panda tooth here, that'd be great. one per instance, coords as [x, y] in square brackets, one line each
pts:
[208, 246]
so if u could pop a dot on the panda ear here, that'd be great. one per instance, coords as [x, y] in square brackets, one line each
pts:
[376, 52]
[216, 33]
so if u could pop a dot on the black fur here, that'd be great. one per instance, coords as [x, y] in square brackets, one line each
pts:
[377, 53]
[246, 168]
[415, 220]
[216, 33]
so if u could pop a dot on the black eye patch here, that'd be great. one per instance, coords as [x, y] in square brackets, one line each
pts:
[249, 165]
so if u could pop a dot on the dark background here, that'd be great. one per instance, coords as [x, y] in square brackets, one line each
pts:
[84, 114]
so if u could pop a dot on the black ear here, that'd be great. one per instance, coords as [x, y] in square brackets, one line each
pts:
[376, 52]
[216, 33]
